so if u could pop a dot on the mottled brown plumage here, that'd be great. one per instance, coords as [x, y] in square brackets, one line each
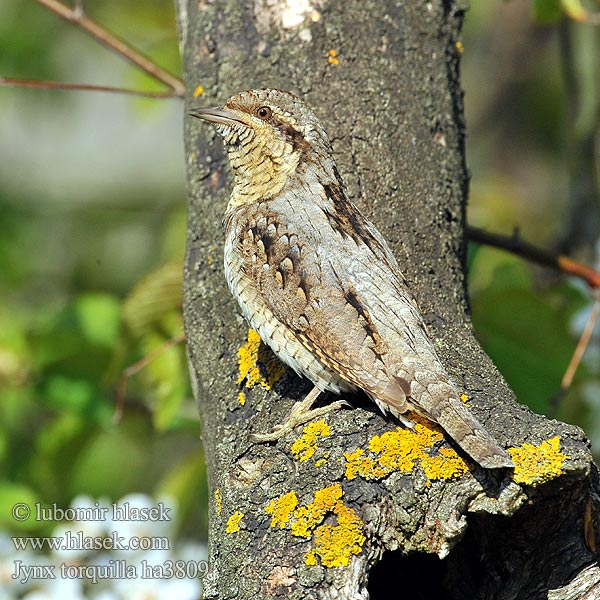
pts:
[317, 280]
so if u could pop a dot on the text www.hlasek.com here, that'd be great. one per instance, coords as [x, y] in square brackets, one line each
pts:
[78, 541]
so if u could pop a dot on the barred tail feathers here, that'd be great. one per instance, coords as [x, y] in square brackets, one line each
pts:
[438, 401]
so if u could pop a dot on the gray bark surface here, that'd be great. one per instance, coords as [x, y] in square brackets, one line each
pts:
[393, 109]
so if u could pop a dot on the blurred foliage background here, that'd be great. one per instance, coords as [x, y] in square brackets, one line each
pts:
[531, 75]
[92, 232]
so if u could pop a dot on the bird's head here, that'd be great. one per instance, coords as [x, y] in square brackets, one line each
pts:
[269, 136]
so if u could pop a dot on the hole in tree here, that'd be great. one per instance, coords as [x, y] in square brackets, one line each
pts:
[417, 576]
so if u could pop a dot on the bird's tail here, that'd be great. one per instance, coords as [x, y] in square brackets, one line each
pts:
[470, 435]
[438, 402]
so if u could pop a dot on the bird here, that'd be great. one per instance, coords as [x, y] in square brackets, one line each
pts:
[317, 280]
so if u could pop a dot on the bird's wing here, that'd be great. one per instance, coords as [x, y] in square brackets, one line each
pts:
[312, 266]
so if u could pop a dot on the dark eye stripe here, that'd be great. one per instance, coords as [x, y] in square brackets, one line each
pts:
[294, 136]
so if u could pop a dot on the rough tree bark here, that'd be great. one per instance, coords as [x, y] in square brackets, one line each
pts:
[338, 511]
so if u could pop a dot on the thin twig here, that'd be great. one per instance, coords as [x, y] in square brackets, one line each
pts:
[59, 85]
[519, 247]
[136, 367]
[584, 340]
[77, 16]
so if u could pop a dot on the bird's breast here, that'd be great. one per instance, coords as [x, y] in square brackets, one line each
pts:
[271, 270]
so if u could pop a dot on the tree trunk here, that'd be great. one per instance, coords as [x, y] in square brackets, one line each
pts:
[342, 509]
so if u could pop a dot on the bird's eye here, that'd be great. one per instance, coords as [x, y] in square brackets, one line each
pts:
[264, 113]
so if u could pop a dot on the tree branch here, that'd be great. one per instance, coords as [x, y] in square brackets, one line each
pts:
[77, 17]
[518, 246]
[59, 85]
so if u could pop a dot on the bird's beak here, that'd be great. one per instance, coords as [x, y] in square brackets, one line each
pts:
[217, 114]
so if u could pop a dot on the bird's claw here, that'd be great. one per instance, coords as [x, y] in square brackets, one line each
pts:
[298, 416]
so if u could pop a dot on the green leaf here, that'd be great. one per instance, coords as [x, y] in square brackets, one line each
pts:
[98, 316]
[547, 11]
[526, 337]
[493, 269]
[77, 396]
[153, 297]
[69, 394]
[167, 377]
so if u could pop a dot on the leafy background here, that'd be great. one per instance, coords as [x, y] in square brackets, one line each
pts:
[92, 230]
[92, 236]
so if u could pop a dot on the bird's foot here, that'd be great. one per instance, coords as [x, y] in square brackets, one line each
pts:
[301, 413]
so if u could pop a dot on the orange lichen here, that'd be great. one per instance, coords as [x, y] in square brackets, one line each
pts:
[306, 445]
[335, 544]
[218, 501]
[399, 451]
[252, 354]
[332, 57]
[233, 523]
[537, 464]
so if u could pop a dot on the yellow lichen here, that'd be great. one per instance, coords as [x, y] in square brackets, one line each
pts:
[537, 464]
[198, 91]
[218, 501]
[247, 359]
[464, 398]
[459, 47]
[282, 509]
[444, 463]
[233, 523]
[332, 57]
[252, 354]
[334, 543]
[399, 451]
[242, 398]
[306, 445]
[306, 518]
[322, 461]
